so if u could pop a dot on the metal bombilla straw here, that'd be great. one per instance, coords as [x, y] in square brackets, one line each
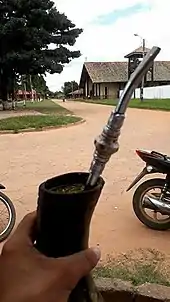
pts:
[107, 143]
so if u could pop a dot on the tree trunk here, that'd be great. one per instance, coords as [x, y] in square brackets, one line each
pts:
[32, 93]
[4, 93]
[24, 91]
[13, 94]
[13, 100]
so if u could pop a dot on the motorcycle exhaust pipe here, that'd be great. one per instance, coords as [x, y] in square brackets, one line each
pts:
[157, 205]
[148, 204]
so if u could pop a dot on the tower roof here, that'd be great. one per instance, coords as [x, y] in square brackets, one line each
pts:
[138, 51]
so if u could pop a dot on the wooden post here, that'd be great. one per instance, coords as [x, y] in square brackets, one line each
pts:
[135, 94]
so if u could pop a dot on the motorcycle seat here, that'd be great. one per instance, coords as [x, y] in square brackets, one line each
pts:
[163, 156]
[160, 161]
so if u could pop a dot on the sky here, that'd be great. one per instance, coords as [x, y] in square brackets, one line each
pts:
[108, 31]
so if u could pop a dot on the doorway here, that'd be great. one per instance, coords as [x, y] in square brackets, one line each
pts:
[106, 93]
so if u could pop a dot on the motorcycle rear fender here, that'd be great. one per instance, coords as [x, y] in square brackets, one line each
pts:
[144, 172]
[2, 187]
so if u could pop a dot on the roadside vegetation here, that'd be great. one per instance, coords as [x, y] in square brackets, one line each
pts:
[152, 104]
[38, 115]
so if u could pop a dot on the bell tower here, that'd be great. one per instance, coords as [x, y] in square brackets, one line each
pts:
[134, 59]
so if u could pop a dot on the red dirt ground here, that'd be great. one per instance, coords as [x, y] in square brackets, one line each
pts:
[28, 159]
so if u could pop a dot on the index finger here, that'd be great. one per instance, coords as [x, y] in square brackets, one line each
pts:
[24, 234]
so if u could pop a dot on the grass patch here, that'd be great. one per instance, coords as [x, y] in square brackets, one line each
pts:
[141, 274]
[152, 104]
[142, 267]
[37, 122]
[45, 107]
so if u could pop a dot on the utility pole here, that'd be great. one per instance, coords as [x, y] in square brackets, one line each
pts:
[143, 80]
[72, 88]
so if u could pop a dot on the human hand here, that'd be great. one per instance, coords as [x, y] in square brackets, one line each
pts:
[28, 276]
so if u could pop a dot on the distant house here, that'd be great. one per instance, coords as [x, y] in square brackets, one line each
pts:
[76, 94]
[106, 79]
[26, 95]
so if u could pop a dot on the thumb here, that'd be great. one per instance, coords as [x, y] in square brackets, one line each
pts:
[81, 264]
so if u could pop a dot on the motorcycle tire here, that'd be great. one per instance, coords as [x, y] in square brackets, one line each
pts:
[12, 216]
[137, 204]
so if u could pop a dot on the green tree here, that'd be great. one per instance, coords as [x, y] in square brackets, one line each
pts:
[58, 94]
[70, 87]
[27, 28]
[39, 84]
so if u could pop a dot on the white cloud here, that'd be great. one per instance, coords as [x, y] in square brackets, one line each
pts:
[109, 43]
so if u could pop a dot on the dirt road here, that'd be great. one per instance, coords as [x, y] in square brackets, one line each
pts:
[28, 159]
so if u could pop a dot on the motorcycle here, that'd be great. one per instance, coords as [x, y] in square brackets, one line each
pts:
[7, 215]
[153, 196]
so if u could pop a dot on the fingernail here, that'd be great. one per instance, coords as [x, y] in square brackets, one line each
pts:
[97, 252]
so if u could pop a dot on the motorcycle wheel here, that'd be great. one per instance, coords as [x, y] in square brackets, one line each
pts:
[139, 209]
[7, 216]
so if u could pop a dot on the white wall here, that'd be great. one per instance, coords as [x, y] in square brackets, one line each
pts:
[160, 92]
